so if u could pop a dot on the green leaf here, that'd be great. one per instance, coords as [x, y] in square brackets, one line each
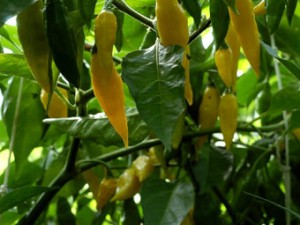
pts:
[246, 88]
[290, 9]
[62, 42]
[131, 213]
[19, 195]
[275, 9]
[5, 34]
[220, 20]
[23, 124]
[9, 8]
[119, 35]
[155, 79]
[287, 98]
[63, 212]
[86, 9]
[214, 166]
[294, 121]
[98, 129]
[14, 65]
[194, 9]
[166, 203]
[294, 69]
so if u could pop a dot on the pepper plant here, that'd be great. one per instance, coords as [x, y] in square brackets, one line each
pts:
[115, 112]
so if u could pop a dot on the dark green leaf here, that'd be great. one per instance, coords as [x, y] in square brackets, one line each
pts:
[119, 35]
[86, 9]
[214, 166]
[246, 88]
[99, 129]
[287, 36]
[295, 120]
[131, 213]
[63, 212]
[14, 65]
[290, 9]
[166, 203]
[220, 20]
[23, 124]
[9, 8]
[194, 9]
[149, 39]
[62, 41]
[155, 79]
[287, 98]
[275, 9]
[287, 63]
[19, 195]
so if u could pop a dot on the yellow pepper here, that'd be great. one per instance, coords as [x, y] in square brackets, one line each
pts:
[223, 59]
[107, 83]
[246, 28]
[228, 113]
[172, 23]
[208, 111]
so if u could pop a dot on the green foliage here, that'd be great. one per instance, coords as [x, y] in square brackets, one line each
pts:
[252, 183]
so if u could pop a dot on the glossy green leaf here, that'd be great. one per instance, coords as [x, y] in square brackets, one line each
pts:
[166, 203]
[61, 38]
[98, 129]
[9, 8]
[291, 6]
[275, 9]
[246, 85]
[19, 195]
[86, 9]
[193, 7]
[14, 65]
[219, 16]
[214, 166]
[155, 79]
[26, 126]
[287, 98]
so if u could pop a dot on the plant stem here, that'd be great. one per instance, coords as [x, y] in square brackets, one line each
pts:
[285, 167]
[203, 27]
[121, 5]
[221, 197]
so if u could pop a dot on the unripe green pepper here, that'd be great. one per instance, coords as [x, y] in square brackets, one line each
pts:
[32, 36]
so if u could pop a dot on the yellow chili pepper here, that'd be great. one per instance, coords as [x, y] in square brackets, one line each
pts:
[106, 190]
[172, 23]
[56, 108]
[260, 8]
[233, 42]
[208, 112]
[223, 59]
[143, 166]
[228, 113]
[107, 84]
[246, 28]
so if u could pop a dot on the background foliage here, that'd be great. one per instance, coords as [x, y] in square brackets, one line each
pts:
[256, 182]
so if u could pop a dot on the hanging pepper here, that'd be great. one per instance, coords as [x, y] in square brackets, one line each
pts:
[232, 40]
[128, 185]
[32, 36]
[208, 111]
[56, 108]
[260, 8]
[228, 113]
[106, 190]
[246, 28]
[143, 166]
[172, 23]
[107, 83]
[223, 59]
